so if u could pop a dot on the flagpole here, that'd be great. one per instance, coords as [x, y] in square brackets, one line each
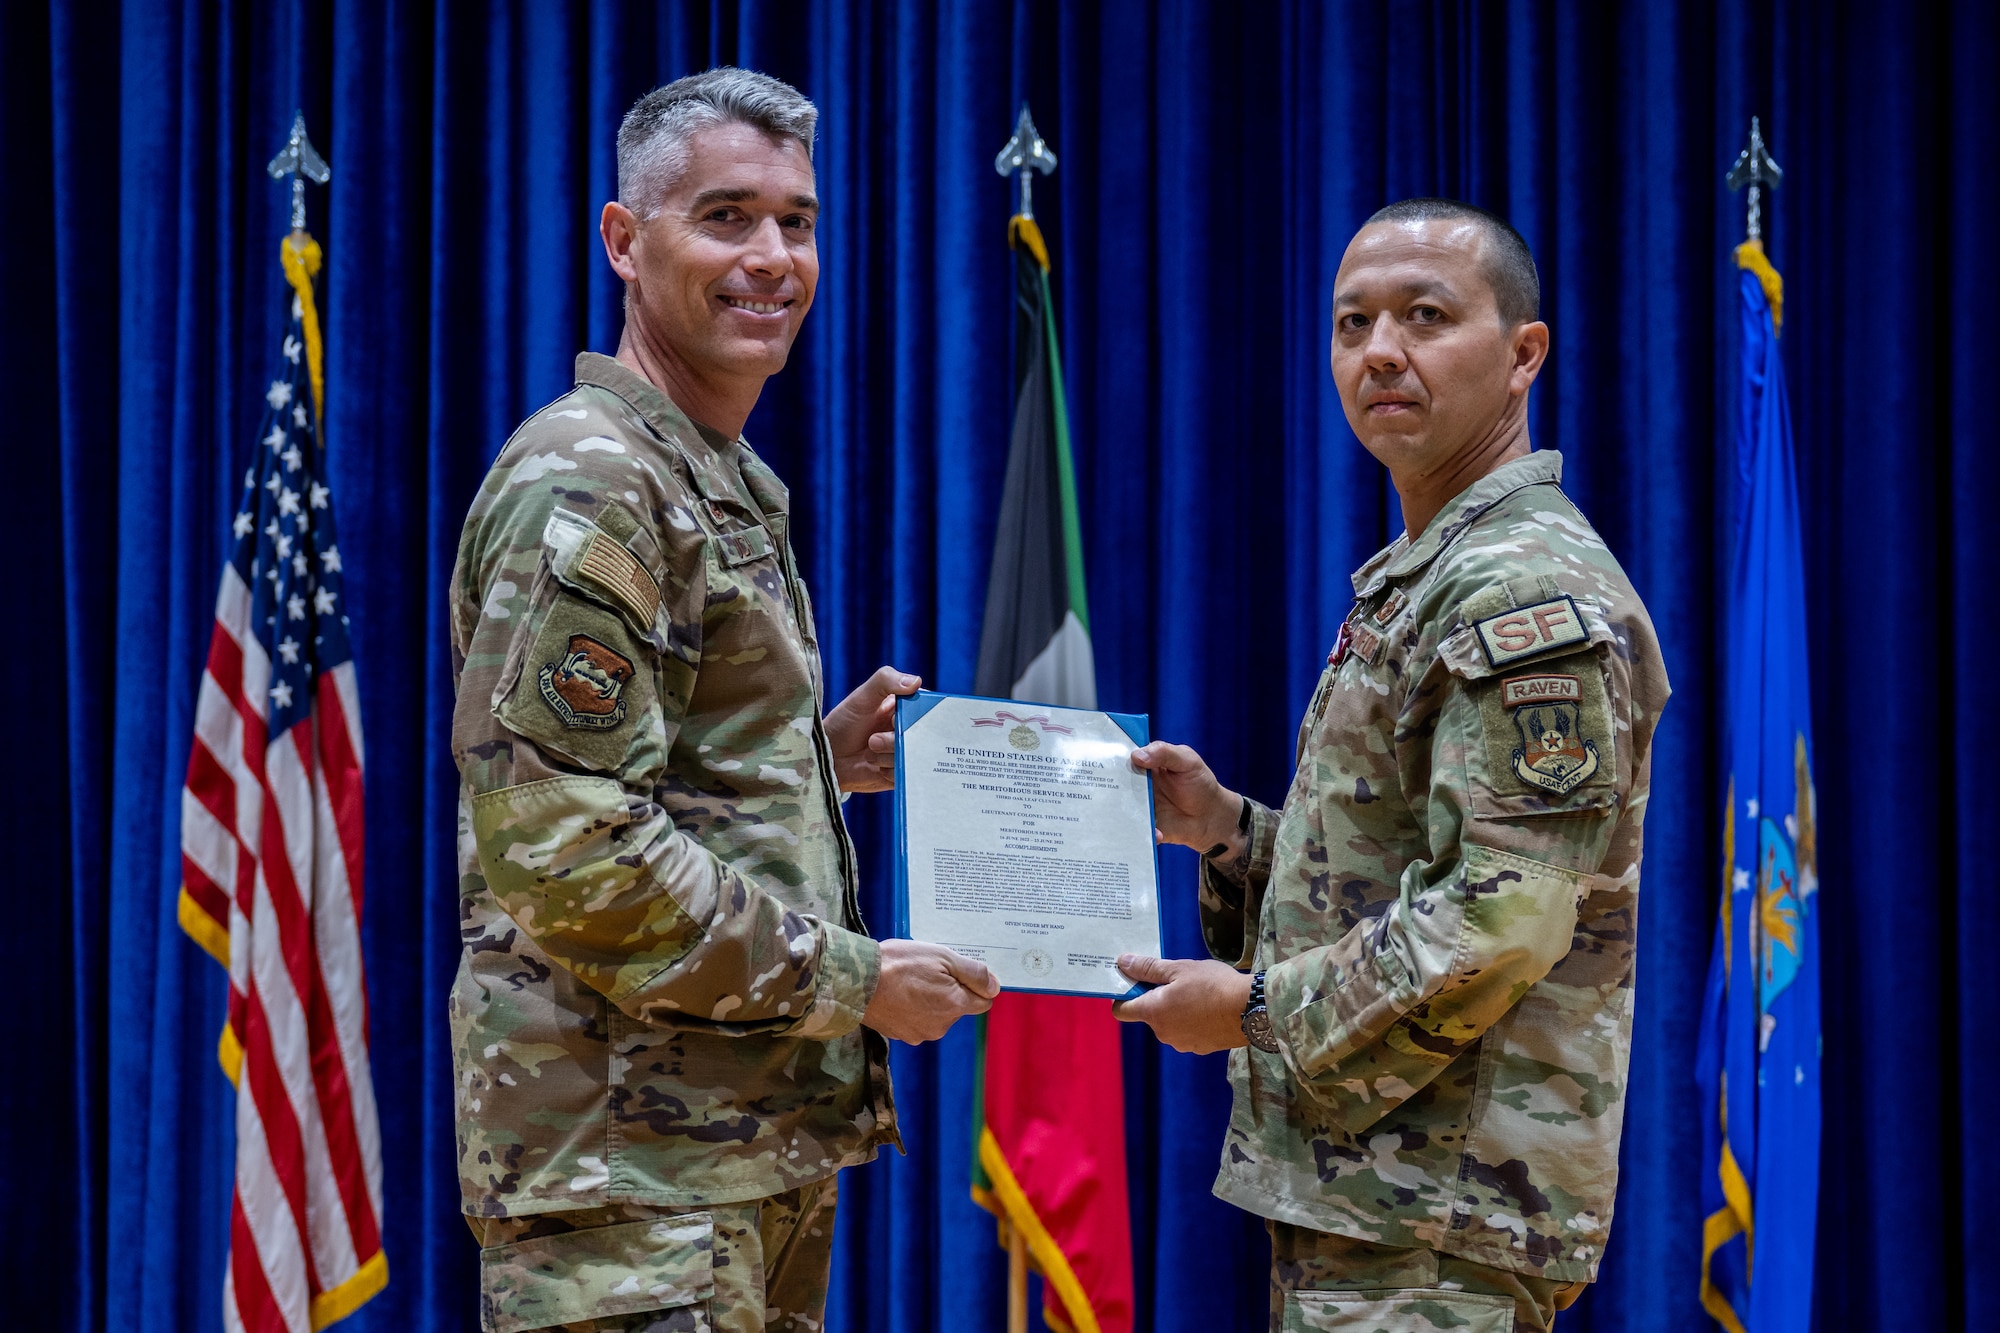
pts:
[1049, 1107]
[280, 656]
[1755, 168]
[1017, 1280]
[1024, 154]
[1762, 1137]
[300, 254]
[302, 162]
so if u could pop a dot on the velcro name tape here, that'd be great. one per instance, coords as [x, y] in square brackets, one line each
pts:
[1540, 690]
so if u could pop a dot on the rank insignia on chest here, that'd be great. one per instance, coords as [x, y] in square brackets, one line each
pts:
[1547, 711]
[587, 688]
[1392, 606]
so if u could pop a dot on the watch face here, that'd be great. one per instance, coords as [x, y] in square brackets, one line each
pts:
[1257, 1027]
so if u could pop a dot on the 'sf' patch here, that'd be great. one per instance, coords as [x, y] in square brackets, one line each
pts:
[1529, 631]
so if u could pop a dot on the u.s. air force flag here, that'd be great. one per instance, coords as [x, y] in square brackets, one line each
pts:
[1760, 1043]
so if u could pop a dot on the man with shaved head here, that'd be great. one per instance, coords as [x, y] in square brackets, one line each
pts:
[1423, 964]
[669, 1018]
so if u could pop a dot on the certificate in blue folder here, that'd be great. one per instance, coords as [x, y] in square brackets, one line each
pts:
[1025, 839]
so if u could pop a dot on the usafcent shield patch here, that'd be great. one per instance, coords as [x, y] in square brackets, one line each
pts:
[587, 687]
[1554, 754]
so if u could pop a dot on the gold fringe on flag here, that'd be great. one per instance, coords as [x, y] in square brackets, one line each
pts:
[1751, 255]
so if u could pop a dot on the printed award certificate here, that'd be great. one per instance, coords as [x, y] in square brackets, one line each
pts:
[1026, 840]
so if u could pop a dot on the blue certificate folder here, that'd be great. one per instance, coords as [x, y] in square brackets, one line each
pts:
[912, 708]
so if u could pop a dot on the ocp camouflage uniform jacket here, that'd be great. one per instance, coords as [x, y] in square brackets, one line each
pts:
[664, 967]
[1447, 905]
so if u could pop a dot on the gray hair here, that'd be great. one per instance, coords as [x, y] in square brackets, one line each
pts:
[653, 140]
[1510, 265]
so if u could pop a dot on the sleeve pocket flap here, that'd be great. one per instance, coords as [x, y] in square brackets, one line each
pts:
[598, 1273]
[585, 557]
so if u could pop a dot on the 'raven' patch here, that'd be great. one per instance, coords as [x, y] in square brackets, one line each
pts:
[1555, 754]
[1547, 738]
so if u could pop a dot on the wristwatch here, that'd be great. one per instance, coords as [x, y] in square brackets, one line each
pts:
[1242, 826]
[1256, 1019]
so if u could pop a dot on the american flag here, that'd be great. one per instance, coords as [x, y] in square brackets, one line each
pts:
[271, 839]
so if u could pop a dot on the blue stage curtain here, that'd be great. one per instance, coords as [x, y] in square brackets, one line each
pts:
[1215, 157]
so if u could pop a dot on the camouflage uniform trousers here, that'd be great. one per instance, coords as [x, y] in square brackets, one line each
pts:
[1322, 1283]
[768, 1259]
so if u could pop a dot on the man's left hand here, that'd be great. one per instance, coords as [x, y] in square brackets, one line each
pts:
[861, 731]
[1196, 1004]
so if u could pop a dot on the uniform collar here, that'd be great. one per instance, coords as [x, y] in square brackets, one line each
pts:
[709, 465]
[1403, 557]
[666, 420]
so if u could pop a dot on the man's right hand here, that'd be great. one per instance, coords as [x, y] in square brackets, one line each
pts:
[1189, 806]
[924, 989]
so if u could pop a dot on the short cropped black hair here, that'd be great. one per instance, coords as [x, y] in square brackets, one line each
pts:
[1510, 267]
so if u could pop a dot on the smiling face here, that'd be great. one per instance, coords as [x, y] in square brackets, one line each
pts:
[1429, 374]
[719, 279]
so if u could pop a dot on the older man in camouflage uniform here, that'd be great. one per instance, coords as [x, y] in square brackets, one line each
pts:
[666, 1015]
[1432, 1048]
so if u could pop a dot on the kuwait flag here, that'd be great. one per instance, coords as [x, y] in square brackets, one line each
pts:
[1051, 1159]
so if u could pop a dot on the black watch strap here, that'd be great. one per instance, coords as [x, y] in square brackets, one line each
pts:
[1242, 826]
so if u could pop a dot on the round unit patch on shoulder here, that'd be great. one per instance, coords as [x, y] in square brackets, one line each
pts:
[586, 688]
